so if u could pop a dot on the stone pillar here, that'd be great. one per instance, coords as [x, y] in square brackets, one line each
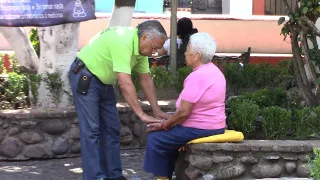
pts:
[237, 8]
[258, 7]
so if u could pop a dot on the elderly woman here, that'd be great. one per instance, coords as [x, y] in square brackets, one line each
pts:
[200, 109]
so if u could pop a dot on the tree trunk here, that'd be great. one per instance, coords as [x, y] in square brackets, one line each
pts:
[19, 42]
[122, 13]
[300, 73]
[58, 48]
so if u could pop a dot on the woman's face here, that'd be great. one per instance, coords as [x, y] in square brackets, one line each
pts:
[190, 56]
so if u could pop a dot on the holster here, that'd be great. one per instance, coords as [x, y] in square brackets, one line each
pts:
[79, 66]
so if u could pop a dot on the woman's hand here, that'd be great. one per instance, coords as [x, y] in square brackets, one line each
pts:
[154, 127]
[161, 115]
[149, 119]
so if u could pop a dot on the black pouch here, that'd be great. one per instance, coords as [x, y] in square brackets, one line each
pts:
[83, 84]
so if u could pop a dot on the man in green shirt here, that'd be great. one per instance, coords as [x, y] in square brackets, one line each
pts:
[108, 57]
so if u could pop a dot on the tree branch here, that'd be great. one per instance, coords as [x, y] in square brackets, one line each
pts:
[19, 42]
[287, 6]
[311, 25]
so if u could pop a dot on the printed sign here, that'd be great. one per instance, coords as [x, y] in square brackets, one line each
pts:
[19, 13]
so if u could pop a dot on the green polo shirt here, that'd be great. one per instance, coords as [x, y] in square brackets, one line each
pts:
[113, 50]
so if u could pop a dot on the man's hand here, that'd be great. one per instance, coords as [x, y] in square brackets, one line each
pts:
[162, 115]
[149, 119]
[154, 127]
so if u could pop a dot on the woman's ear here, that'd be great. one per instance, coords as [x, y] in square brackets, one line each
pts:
[197, 55]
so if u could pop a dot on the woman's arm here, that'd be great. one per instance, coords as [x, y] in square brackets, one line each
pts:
[181, 115]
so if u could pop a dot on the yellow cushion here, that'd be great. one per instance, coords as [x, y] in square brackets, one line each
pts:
[228, 136]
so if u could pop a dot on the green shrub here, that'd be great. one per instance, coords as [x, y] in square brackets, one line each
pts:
[244, 114]
[15, 66]
[1, 63]
[161, 77]
[13, 91]
[268, 97]
[34, 83]
[276, 122]
[55, 86]
[235, 77]
[181, 75]
[314, 165]
[306, 123]
[34, 38]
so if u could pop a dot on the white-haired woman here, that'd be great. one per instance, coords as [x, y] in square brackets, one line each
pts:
[200, 109]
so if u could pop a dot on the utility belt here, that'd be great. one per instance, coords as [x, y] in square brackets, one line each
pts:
[79, 65]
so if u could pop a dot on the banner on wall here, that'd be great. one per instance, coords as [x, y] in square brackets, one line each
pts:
[20, 13]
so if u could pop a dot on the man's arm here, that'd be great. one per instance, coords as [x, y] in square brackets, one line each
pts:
[129, 92]
[149, 90]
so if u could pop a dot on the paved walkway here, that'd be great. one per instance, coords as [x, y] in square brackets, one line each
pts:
[70, 168]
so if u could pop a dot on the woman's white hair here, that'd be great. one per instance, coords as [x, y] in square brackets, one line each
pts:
[204, 44]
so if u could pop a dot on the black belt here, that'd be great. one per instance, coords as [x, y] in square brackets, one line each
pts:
[79, 65]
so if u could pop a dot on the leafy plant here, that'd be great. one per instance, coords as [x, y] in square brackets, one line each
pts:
[15, 90]
[34, 38]
[244, 114]
[55, 85]
[306, 123]
[314, 165]
[34, 83]
[15, 66]
[275, 123]
[161, 77]
[268, 97]
[181, 75]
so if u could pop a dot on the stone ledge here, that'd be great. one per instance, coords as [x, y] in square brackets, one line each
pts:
[44, 113]
[259, 145]
[54, 132]
[250, 159]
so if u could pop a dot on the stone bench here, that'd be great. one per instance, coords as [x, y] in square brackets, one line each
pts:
[54, 133]
[250, 159]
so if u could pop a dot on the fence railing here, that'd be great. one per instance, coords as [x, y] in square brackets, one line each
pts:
[181, 3]
[277, 7]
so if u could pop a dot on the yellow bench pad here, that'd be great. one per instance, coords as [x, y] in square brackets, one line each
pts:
[228, 136]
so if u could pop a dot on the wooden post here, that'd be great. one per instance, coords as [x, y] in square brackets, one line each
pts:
[173, 36]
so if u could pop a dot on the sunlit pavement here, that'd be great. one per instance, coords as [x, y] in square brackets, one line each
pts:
[68, 168]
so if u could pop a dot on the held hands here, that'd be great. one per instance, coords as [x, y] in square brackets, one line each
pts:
[154, 127]
[161, 115]
[149, 119]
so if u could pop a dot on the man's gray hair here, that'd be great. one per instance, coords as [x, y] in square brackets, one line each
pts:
[152, 28]
[205, 44]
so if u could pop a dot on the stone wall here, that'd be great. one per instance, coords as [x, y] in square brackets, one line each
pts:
[251, 159]
[49, 133]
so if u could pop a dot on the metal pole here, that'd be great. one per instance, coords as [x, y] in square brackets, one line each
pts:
[173, 36]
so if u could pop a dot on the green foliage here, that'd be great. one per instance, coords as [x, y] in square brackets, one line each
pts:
[34, 38]
[161, 77]
[15, 66]
[258, 76]
[275, 123]
[181, 75]
[306, 123]
[314, 165]
[235, 77]
[1, 63]
[268, 97]
[244, 115]
[13, 91]
[34, 82]
[55, 86]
